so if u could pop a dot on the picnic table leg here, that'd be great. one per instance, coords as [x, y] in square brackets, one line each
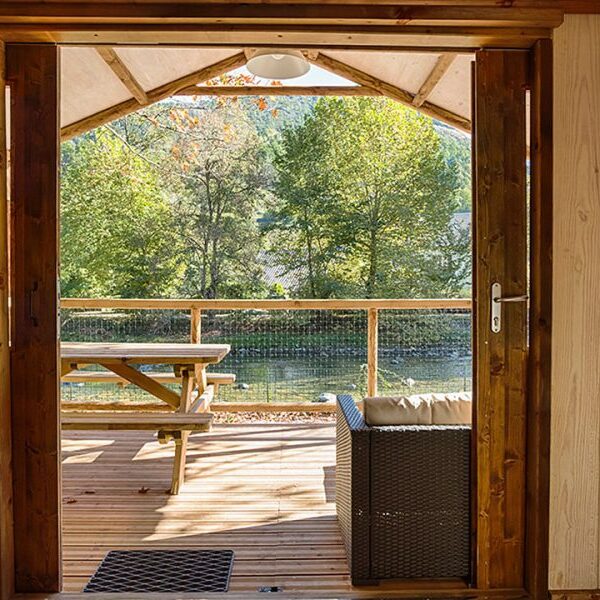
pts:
[181, 442]
[201, 382]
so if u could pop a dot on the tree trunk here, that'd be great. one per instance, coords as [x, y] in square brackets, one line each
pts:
[310, 255]
[214, 269]
[373, 260]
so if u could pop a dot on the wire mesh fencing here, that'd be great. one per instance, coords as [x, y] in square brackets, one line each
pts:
[423, 351]
[293, 356]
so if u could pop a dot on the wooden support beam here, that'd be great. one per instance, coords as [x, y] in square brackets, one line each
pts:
[119, 68]
[7, 566]
[285, 304]
[391, 91]
[313, 12]
[442, 65]
[283, 90]
[332, 37]
[154, 95]
[33, 75]
[144, 382]
[203, 402]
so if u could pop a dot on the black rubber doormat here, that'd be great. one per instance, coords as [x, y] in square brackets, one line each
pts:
[163, 571]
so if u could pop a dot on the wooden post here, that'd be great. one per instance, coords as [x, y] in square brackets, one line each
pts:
[195, 338]
[32, 72]
[6, 517]
[372, 351]
[500, 357]
[196, 326]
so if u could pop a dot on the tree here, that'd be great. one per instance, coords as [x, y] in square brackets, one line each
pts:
[213, 162]
[456, 147]
[300, 237]
[376, 197]
[117, 227]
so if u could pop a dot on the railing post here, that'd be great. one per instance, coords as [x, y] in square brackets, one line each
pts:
[196, 326]
[196, 338]
[372, 351]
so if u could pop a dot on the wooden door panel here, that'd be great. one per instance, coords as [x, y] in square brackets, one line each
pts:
[500, 359]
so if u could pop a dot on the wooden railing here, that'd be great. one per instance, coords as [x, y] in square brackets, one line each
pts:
[196, 306]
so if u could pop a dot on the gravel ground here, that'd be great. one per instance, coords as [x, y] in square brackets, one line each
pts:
[272, 417]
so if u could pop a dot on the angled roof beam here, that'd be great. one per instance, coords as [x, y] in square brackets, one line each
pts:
[391, 91]
[282, 90]
[154, 95]
[444, 62]
[118, 67]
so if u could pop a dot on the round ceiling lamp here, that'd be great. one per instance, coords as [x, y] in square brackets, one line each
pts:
[278, 64]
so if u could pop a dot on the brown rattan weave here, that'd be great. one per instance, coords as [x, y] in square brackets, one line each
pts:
[402, 498]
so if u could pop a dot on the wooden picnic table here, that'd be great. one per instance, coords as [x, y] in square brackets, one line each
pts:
[189, 362]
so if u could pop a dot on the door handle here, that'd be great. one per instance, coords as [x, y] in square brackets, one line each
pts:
[523, 298]
[496, 305]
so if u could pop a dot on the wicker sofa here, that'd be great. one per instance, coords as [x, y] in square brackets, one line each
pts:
[402, 498]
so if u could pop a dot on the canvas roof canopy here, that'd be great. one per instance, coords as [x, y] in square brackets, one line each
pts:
[102, 83]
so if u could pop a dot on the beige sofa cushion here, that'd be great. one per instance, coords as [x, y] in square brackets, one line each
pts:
[399, 410]
[419, 409]
[452, 409]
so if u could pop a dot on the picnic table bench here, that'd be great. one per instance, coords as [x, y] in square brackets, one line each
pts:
[189, 362]
[214, 379]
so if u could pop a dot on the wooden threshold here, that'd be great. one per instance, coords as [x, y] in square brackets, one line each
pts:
[407, 595]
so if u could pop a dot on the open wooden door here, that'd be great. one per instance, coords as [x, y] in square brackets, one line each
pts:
[500, 317]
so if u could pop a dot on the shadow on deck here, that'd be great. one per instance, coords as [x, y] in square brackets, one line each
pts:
[265, 491]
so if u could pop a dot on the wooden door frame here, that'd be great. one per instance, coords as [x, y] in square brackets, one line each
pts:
[538, 397]
[32, 76]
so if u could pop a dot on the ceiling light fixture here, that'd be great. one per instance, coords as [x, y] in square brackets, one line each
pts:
[278, 64]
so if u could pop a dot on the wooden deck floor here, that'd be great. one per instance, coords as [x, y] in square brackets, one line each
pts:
[265, 491]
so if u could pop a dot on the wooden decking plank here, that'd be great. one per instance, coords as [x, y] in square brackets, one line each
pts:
[260, 490]
[265, 491]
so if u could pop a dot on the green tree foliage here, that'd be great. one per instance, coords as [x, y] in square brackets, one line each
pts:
[220, 198]
[117, 235]
[300, 234]
[457, 151]
[366, 200]
[212, 160]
